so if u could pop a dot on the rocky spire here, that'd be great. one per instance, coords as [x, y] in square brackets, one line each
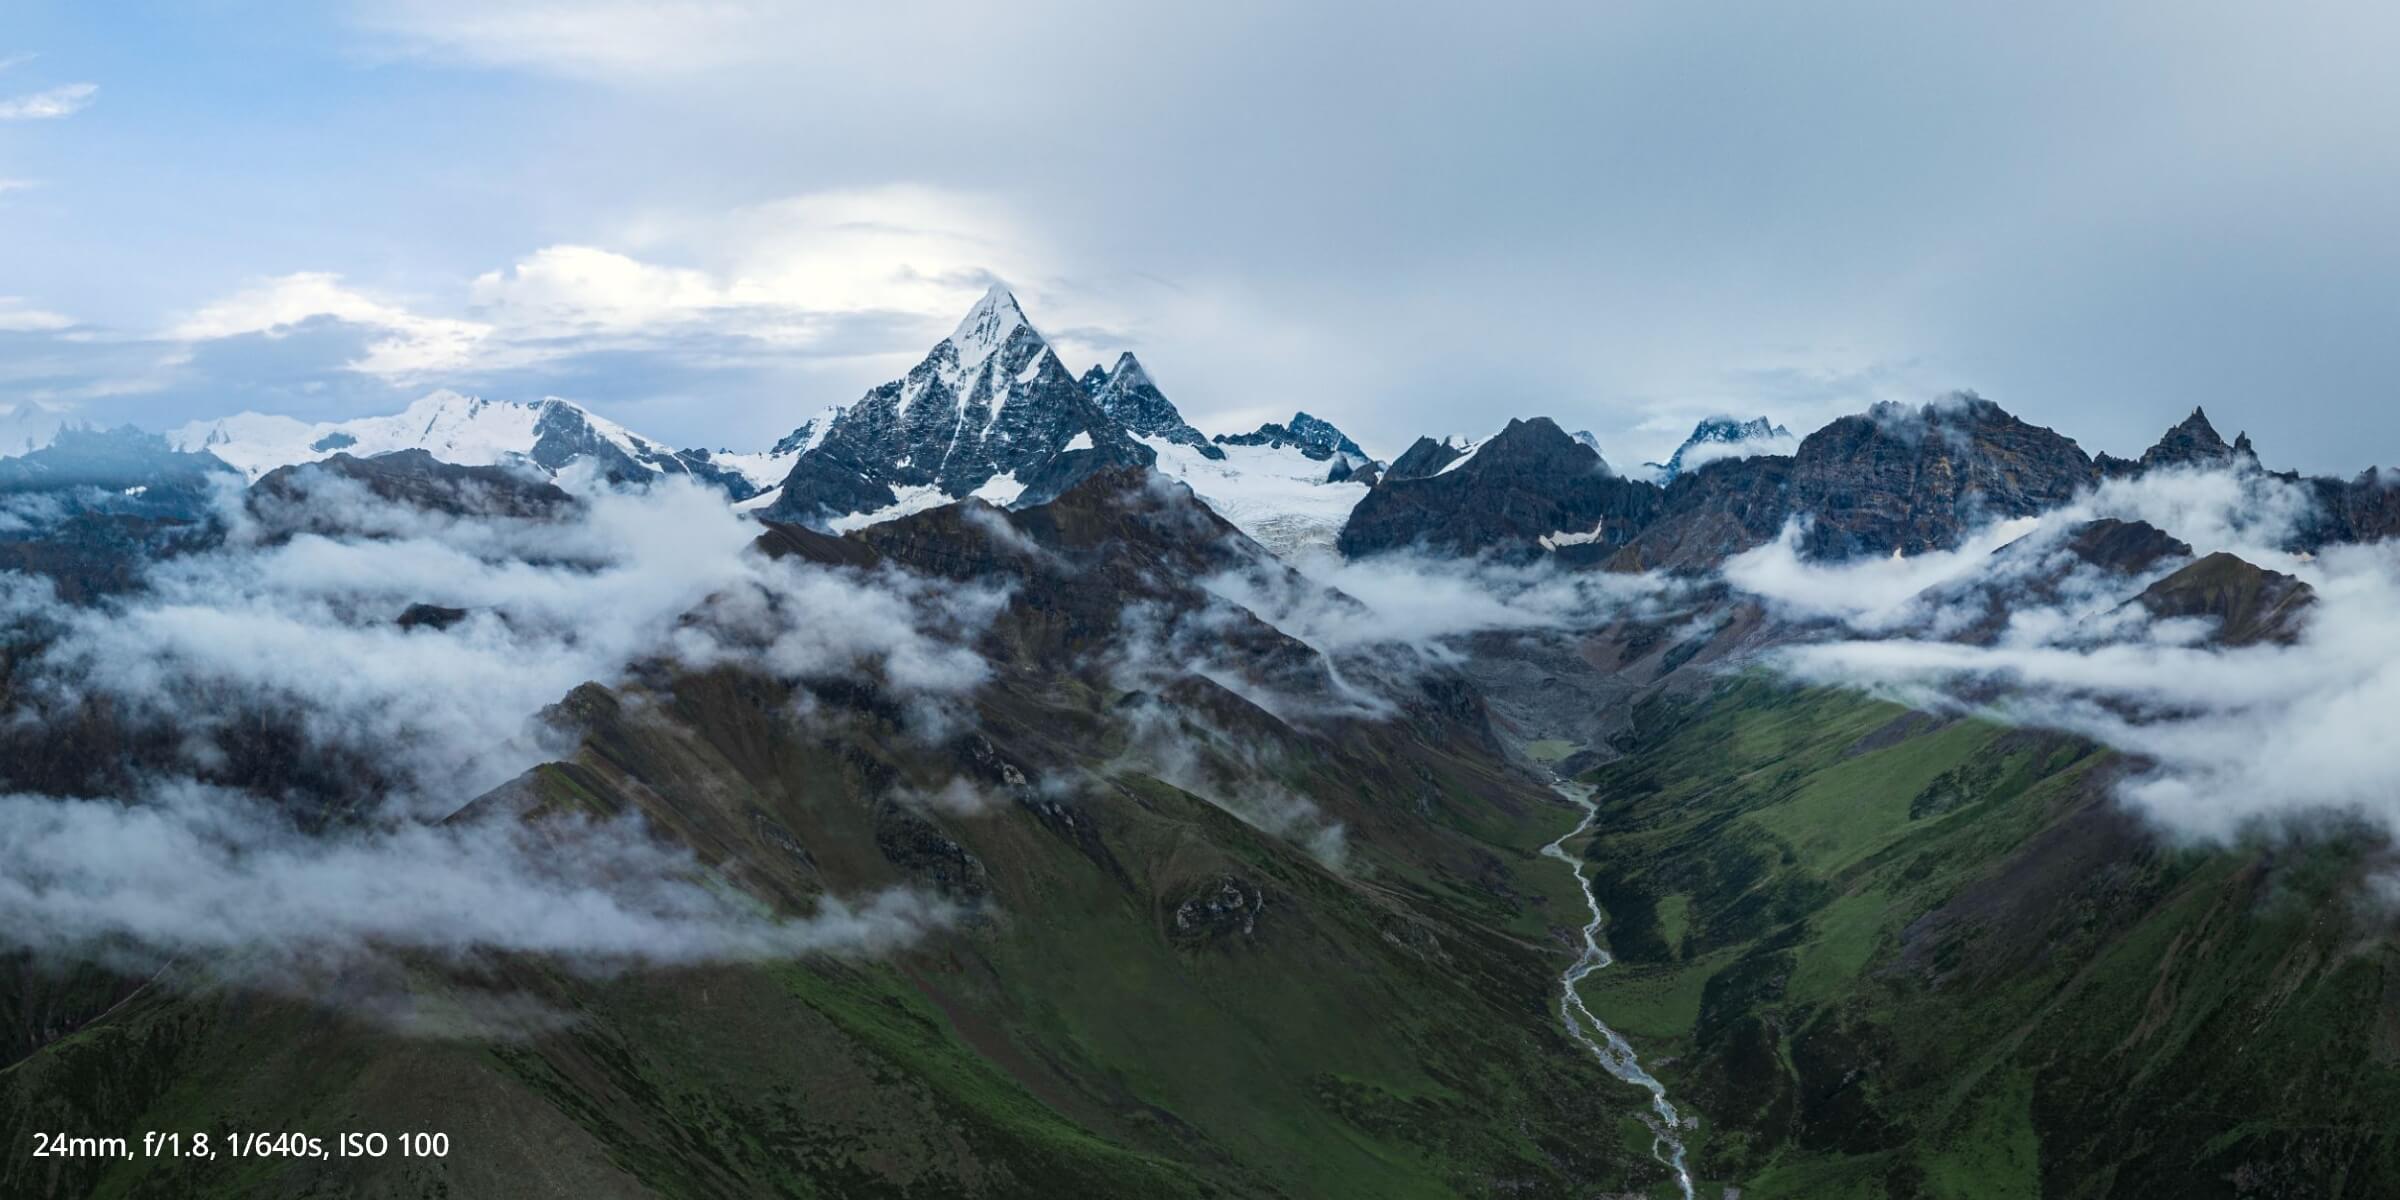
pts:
[2192, 442]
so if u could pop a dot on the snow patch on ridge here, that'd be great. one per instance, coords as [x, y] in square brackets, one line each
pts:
[912, 500]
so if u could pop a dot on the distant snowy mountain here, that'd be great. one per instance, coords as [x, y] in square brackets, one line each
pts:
[465, 430]
[27, 426]
[1588, 438]
[1722, 437]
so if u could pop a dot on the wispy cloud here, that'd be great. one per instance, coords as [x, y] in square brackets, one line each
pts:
[17, 317]
[63, 101]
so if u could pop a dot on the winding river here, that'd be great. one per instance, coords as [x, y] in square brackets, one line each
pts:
[1606, 1044]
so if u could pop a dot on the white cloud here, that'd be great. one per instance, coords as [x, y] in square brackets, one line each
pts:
[1340, 606]
[17, 317]
[777, 279]
[306, 627]
[412, 346]
[1871, 593]
[301, 633]
[49, 104]
[772, 271]
[205, 871]
[607, 38]
[576, 288]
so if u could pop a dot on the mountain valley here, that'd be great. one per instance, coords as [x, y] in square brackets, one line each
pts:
[999, 787]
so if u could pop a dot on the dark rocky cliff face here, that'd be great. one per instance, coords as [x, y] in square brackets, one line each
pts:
[1913, 480]
[2365, 508]
[1713, 513]
[1529, 482]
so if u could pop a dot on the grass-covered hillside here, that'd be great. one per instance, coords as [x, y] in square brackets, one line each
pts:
[1882, 954]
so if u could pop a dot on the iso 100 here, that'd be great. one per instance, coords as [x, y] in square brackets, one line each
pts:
[398, 1145]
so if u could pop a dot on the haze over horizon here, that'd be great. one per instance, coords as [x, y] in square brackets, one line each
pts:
[708, 224]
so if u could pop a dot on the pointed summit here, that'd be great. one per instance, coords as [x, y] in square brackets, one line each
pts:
[2192, 442]
[988, 327]
[990, 411]
[1129, 396]
[1128, 372]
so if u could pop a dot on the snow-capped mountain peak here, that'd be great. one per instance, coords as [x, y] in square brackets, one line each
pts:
[991, 406]
[988, 328]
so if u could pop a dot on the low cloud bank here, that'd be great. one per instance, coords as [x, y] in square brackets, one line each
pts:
[2232, 739]
[309, 628]
[302, 634]
[198, 870]
[1425, 604]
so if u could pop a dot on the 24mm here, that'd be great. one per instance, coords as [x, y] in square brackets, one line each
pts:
[59, 1145]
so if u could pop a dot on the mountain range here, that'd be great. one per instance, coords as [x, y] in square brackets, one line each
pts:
[993, 413]
[997, 787]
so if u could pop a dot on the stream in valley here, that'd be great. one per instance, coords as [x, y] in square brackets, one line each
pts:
[1606, 1044]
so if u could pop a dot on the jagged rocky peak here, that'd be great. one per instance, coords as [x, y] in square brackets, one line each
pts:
[989, 412]
[1909, 480]
[2191, 442]
[1426, 457]
[1722, 437]
[2191, 438]
[1528, 489]
[1314, 437]
[1127, 393]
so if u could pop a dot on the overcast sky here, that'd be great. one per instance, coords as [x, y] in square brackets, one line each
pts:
[708, 220]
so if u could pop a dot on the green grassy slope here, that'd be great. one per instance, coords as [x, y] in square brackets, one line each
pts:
[1384, 1030]
[1884, 955]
